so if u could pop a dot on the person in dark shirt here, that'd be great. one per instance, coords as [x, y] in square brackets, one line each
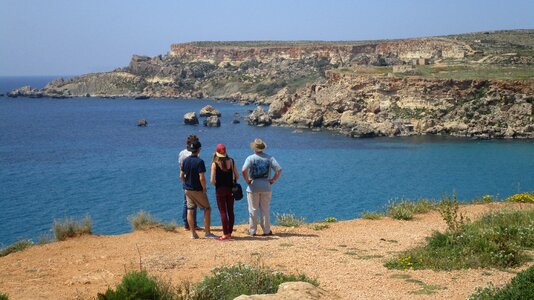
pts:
[193, 177]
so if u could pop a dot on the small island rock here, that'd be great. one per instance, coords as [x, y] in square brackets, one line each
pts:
[142, 123]
[212, 121]
[209, 110]
[191, 118]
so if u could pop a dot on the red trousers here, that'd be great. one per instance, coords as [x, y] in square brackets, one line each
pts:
[225, 202]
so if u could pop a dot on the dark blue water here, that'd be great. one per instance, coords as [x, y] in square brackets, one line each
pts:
[74, 157]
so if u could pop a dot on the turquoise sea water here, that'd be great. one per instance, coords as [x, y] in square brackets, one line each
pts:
[73, 157]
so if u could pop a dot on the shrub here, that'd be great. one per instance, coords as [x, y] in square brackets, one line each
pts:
[521, 287]
[142, 220]
[405, 209]
[320, 226]
[372, 215]
[3, 296]
[496, 240]
[138, 285]
[521, 198]
[16, 247]
[170, 226]
[289, 220]
[448, 209]
[330, 220]
[232, 281]
[69, 227]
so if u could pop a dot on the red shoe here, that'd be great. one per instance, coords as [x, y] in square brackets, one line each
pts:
[224, 238]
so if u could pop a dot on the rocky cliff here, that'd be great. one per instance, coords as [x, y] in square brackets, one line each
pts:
[476, 84]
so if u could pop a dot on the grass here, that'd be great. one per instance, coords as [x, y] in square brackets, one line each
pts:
[289, 220]
[319, 226]
[171, 226]
[406, 208]
[372, 215]
[142, 221]
[497, 240]
[138, 285]
[519, 288]
[229, 282]
[16, 247]
[70, 227]
[3, 296]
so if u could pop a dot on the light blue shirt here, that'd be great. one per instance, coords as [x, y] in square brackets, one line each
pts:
[259, 168]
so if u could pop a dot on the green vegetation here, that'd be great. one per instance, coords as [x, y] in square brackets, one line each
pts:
[406, 208]
[69, 227]
[16, 247]
[289, 220]
[225, 282]
[497, 240]
[319, 226]
[521, 287]
[372, 215]
[171, 226]
[138, 285]
[142, 221]
[3, 296]
[330, 220]
[230, 282]
[522, 198]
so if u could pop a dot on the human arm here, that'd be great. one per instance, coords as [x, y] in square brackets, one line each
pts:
[275, 177]
[203, 181]
[182, 176]
[212, 175]
[244, 171]
[234, 169]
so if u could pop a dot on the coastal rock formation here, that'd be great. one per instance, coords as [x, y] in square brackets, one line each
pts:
[474, 85]
[191, 118]
[142, 123]
[209, 110]
[212, 121]
[364, 106]
[292, 290]
[259, 117]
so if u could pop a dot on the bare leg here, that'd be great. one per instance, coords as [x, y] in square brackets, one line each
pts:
[207, 219]
[191, 221]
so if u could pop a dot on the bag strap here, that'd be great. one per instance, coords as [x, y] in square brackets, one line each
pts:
[233, 173]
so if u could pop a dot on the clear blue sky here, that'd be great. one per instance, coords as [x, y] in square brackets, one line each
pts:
[69, 37]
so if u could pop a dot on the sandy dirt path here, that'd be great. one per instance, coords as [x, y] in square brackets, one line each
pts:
[346, 258]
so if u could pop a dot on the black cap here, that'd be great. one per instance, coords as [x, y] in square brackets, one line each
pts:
[194, 146]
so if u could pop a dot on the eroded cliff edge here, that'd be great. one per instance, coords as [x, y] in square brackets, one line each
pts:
[476, 85]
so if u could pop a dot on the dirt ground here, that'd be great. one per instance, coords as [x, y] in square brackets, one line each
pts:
[346, 258]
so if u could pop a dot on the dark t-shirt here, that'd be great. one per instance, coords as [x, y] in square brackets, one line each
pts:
[192, 167]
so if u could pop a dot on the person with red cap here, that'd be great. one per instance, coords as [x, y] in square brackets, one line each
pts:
[223, 175]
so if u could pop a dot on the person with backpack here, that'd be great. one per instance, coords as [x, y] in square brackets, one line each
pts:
[223, 175]
[257, 174]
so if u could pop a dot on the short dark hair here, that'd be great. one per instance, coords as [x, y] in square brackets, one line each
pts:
[191, 138]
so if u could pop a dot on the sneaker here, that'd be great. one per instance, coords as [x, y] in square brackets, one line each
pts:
[194, 236]
[210, 236]
[268, 234]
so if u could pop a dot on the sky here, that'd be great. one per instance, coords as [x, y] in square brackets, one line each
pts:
[66, 37]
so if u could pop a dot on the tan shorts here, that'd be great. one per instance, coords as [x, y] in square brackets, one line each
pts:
[197, 198]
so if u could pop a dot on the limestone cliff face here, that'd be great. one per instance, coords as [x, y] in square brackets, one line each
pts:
[321, 84]
[364, 106]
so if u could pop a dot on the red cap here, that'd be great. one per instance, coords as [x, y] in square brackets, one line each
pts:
[221, 149]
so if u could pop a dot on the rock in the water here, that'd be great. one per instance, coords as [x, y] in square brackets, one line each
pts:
[236, 121]
[209, 110]
[191, 118]
[212, 121]
[259, 118]
[293, 290]
[142, 123]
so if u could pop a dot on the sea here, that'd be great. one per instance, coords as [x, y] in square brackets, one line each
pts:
[68, 158]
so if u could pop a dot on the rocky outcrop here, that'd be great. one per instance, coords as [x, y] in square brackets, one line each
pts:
[259, 117]
[142, 123]
[209, 110]
[191, 118]
[293, 290]
[367, 106]
[335, 85]
[212, 121]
